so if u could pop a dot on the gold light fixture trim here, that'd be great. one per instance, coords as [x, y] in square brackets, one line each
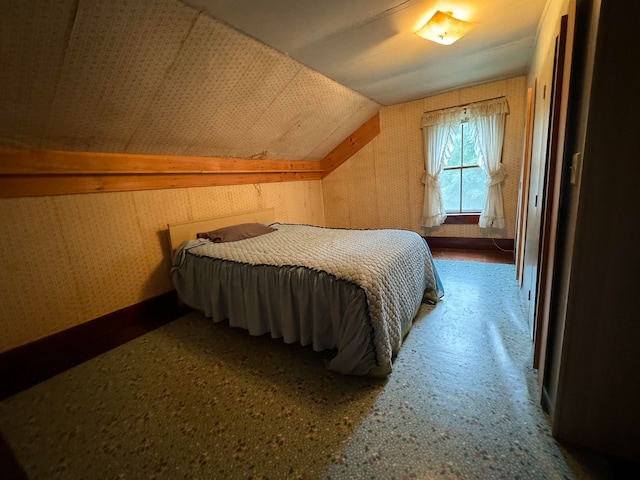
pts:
[444, 28]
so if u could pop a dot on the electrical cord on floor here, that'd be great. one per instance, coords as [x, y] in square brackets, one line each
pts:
[498, 246]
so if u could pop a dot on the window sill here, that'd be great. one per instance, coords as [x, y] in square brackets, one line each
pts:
[462, 219]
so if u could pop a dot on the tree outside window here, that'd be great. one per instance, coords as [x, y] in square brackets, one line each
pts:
[463, 182]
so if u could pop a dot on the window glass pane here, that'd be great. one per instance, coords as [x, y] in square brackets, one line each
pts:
[469, 153]
[456, 136]
[450, 185]
[474, 184]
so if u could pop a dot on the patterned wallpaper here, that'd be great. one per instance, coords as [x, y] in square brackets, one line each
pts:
[155, 76]
[71, 258]
[159, 77]
[380, 187]
[143, 76]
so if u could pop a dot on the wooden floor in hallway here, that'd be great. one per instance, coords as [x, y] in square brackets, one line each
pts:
[473, 255]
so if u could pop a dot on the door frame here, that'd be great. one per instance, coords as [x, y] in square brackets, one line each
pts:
[550, 200]
[525, 175]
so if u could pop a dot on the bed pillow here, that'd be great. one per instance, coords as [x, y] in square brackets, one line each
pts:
[233, 233]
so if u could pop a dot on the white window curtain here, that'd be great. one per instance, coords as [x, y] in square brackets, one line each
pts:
[487, 119]
[437, 143]
[488, 122]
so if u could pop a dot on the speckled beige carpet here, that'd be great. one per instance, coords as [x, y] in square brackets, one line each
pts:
[195, 399]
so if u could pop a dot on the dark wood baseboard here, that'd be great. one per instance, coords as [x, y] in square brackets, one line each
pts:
[25, 366]
[9, 466]
[500, 244]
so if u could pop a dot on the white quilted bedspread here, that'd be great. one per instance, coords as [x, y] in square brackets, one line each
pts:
[393, 267]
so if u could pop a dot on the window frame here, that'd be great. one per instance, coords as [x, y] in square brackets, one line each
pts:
[460, 217]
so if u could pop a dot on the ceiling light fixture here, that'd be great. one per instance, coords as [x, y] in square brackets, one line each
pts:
[444, 28]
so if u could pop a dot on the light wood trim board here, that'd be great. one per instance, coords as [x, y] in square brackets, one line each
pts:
[179, 232]
[56, 162]
[350, 145]
[32, 173]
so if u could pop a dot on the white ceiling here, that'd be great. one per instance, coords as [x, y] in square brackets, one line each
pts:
[369, 45]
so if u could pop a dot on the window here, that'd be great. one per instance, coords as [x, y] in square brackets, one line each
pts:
[463, 182]
[457, 187]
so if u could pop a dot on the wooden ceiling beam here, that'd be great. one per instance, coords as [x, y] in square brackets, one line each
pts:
[55, 162]
[12, 186]
[30, 173]
[350, 145]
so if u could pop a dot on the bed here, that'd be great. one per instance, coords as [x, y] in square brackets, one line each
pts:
[354, 293]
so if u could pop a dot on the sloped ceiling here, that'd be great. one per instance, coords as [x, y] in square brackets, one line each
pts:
[370, 45]
[277, 79]
[160, 77]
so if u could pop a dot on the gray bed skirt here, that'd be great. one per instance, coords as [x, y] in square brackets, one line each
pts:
[294, 303]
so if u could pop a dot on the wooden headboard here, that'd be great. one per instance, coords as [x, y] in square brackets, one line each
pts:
[179, 232]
